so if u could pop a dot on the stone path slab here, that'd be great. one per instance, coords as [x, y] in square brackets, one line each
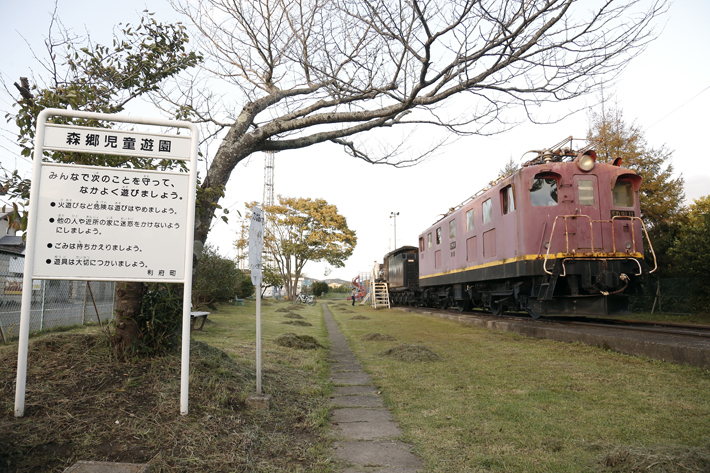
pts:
[346, 390]
[366, 400]
[356, 414]
[366, 433]
[380, 453]
[350, 378]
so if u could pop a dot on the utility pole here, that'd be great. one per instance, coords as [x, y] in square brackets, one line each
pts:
[268, 198]
[394, 216]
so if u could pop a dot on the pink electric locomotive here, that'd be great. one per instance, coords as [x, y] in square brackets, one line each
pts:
[560, 236]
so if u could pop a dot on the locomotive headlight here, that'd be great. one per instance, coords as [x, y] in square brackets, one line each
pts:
[585, 162]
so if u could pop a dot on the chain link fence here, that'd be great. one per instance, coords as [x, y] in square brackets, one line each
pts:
[55, 303]
[669, 295]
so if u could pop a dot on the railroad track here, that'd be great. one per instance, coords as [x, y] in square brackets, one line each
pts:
[684, 330]
[661, 328]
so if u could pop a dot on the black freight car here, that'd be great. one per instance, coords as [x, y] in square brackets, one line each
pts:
[401, 271]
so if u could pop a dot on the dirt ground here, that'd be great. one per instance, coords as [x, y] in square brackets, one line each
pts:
[81, 405]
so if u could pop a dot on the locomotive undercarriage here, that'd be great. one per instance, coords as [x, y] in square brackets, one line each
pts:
[596, 286]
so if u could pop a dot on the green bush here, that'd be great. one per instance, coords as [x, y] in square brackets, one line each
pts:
[217, 279]
[244, 286]
[320, 288]
[160, 320]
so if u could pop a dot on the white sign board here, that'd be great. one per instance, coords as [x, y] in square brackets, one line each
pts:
[111, 224]
[256, 244]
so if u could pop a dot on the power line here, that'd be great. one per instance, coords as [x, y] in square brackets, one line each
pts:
[679, 107]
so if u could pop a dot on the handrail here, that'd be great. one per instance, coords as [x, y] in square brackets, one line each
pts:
[591, 227]
[633, 237]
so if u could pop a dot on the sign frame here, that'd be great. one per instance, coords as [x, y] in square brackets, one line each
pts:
[41, 145]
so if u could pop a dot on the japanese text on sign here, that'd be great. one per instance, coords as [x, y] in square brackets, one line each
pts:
[116, 142]
[108, 223]
[256, 244]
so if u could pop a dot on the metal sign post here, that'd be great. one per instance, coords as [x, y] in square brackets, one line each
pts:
[110, 224]
[256, 245]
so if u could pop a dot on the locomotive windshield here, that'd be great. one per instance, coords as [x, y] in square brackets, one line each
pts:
[623, 194]
[543, 192]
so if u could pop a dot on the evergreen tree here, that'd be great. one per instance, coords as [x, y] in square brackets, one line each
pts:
[691, 251]
[662, 195]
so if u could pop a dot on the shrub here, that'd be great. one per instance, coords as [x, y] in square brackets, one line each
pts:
[160, 319]
[217, 279]
[320, 288]
[244, 286]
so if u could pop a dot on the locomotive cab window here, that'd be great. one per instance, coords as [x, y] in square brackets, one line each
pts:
[469, 220]
[421, 243]
[428, 240]
[623, 193]
[543, 191]
[438, 236]
[585, 191]
[487, 211]
[452, 230]
[507, 199]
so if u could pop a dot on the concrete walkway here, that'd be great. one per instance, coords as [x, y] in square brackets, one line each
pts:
[364, 429]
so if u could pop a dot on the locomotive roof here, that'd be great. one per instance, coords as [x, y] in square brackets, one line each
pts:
[402, 249]
[556, 154]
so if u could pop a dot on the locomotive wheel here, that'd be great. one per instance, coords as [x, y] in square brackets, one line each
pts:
[496, 307]
[532, 314]
[463, 305]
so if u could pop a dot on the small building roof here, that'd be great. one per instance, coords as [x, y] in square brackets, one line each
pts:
[12, 244]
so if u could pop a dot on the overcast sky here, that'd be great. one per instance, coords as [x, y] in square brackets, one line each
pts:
[666, 91]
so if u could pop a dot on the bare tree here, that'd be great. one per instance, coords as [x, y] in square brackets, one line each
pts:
[313, 71]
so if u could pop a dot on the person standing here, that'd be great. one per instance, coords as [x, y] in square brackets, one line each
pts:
[354, 294]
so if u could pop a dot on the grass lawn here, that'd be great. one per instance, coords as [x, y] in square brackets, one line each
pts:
[501, 402]
[81, 405]
[492, 401]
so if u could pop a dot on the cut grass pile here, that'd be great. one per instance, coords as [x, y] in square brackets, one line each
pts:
[377, 337]
[410, 353]
[665, 459]
[301, 323]
[83, 406]
[502, 402]
[291, 340]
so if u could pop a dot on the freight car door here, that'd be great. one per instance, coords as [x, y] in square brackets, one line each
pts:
[589, 234]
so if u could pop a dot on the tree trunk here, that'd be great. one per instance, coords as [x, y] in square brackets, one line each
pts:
[129, 296]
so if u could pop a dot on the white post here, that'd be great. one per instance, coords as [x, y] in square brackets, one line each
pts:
[185, 355]
[187, 293]
[258, 340]
[256, 246]
[23, 342]
[44, 296]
